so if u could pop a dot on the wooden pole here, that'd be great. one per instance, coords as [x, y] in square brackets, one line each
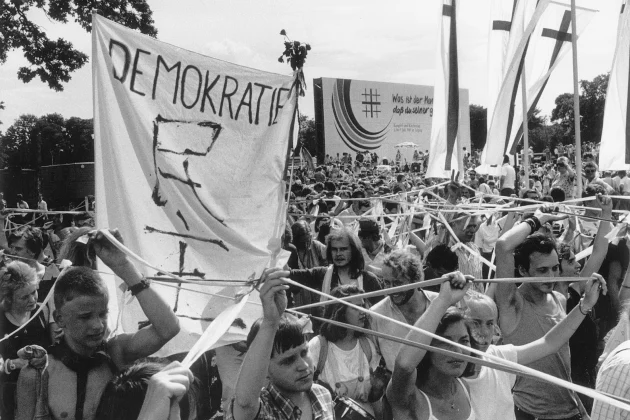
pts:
[525, 161]
[576, 102]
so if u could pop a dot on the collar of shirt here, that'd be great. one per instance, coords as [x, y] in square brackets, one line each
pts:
[292, 411]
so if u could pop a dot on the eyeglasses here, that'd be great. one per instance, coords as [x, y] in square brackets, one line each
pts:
[589, 171]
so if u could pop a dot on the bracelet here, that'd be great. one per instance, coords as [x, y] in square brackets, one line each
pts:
[581, 311]
[537, 224]
[627, 287]
[139, 287]
[9, 367]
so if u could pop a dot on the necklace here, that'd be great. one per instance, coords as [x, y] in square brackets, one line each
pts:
[453, 391]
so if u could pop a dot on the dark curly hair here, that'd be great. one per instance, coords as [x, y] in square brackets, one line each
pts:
[537, 242]
[404, 264]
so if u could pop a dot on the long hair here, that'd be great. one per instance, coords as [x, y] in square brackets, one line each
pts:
[337, 312]
[357, 263]
[452, 316]
[13, 277]
[76, 251]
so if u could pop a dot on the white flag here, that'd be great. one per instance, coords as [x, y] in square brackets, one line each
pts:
[444, 151]
[190, 154]
[499, 129]
[549, 44]
[501, 25]
[614, 152]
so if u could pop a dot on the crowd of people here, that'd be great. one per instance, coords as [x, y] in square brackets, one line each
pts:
[512, 271]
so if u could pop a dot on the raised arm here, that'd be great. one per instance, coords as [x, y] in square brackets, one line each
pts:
[402, 386]
[600, 245]
[255, 366]
[555, 338]
[164, 325]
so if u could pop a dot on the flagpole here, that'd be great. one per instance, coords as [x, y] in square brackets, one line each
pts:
[576, 102]
[525, 161]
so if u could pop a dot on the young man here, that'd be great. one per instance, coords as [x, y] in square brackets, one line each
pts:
[343, 249]
[278, 352]
[84, 361]
[373, 248]
[528, 312]
[399, 268]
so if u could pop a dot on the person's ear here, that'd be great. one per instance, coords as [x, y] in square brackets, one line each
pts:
[523, 272]
[59, 318]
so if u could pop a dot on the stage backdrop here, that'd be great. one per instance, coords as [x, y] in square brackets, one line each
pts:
[190, 155]
[357, 115]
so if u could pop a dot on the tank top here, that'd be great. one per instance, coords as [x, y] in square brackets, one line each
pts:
[539, 398]
[432, 417]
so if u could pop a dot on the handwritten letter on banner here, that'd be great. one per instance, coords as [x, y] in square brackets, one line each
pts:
[190, 153]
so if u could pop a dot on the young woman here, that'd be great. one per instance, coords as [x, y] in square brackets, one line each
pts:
[490, 389]
[344, 358]
[428, 386]
[18, 303]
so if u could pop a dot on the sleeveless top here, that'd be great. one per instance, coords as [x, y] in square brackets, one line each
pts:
[538, 398]
[432, 417]
[76, 383]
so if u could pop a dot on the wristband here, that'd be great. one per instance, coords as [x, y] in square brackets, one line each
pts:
[537, 224]
[532, 225]
[581, 311]
[139, 287]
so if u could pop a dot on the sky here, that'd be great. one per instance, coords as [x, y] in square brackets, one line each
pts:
[372, 40]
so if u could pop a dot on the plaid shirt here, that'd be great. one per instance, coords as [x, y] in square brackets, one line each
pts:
[613, 378]
[274, 406]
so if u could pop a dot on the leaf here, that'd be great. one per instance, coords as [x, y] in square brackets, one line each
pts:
[283, 32]
[280, 59]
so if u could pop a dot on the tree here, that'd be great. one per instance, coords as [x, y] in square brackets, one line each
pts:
[54, 60]
[33, 142]
[16, 145]
[592, 103]
[478, 126]
[308, 133]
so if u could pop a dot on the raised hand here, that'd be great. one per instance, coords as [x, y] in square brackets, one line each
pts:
[107, 251]
[273, 294]
[591, 291]
[454, 288]
[545, 214]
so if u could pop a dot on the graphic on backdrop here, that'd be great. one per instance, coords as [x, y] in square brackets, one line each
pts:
[353, 134]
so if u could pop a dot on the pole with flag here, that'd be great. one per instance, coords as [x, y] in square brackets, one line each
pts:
[444, 149]
[576, 103]
[614, 151]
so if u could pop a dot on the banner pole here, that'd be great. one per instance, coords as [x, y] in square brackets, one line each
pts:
[525, 161]
[576, 103]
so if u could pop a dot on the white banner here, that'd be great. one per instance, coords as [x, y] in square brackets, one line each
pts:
[501, 29]
[190, 154]
[614, 152]
[499, 127]
[445, 153]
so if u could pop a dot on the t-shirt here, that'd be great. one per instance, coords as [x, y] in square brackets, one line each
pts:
[346, 371]
[508, 172]
[491, 391]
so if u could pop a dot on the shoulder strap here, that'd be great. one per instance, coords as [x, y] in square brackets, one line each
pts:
[365, 346]
[323, 355]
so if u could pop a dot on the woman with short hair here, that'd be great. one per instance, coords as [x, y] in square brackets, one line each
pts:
[18, 304]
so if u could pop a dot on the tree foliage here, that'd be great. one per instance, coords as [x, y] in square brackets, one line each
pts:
[47, 140]
[54, 60]
[478, 126]
[308, 133]
[592, 102]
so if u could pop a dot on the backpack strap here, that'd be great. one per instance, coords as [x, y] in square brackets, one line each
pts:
[323, 355]
[365, 346]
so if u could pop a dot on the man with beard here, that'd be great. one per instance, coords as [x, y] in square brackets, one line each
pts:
[399, 268]
[343, 249]
[528, 312]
